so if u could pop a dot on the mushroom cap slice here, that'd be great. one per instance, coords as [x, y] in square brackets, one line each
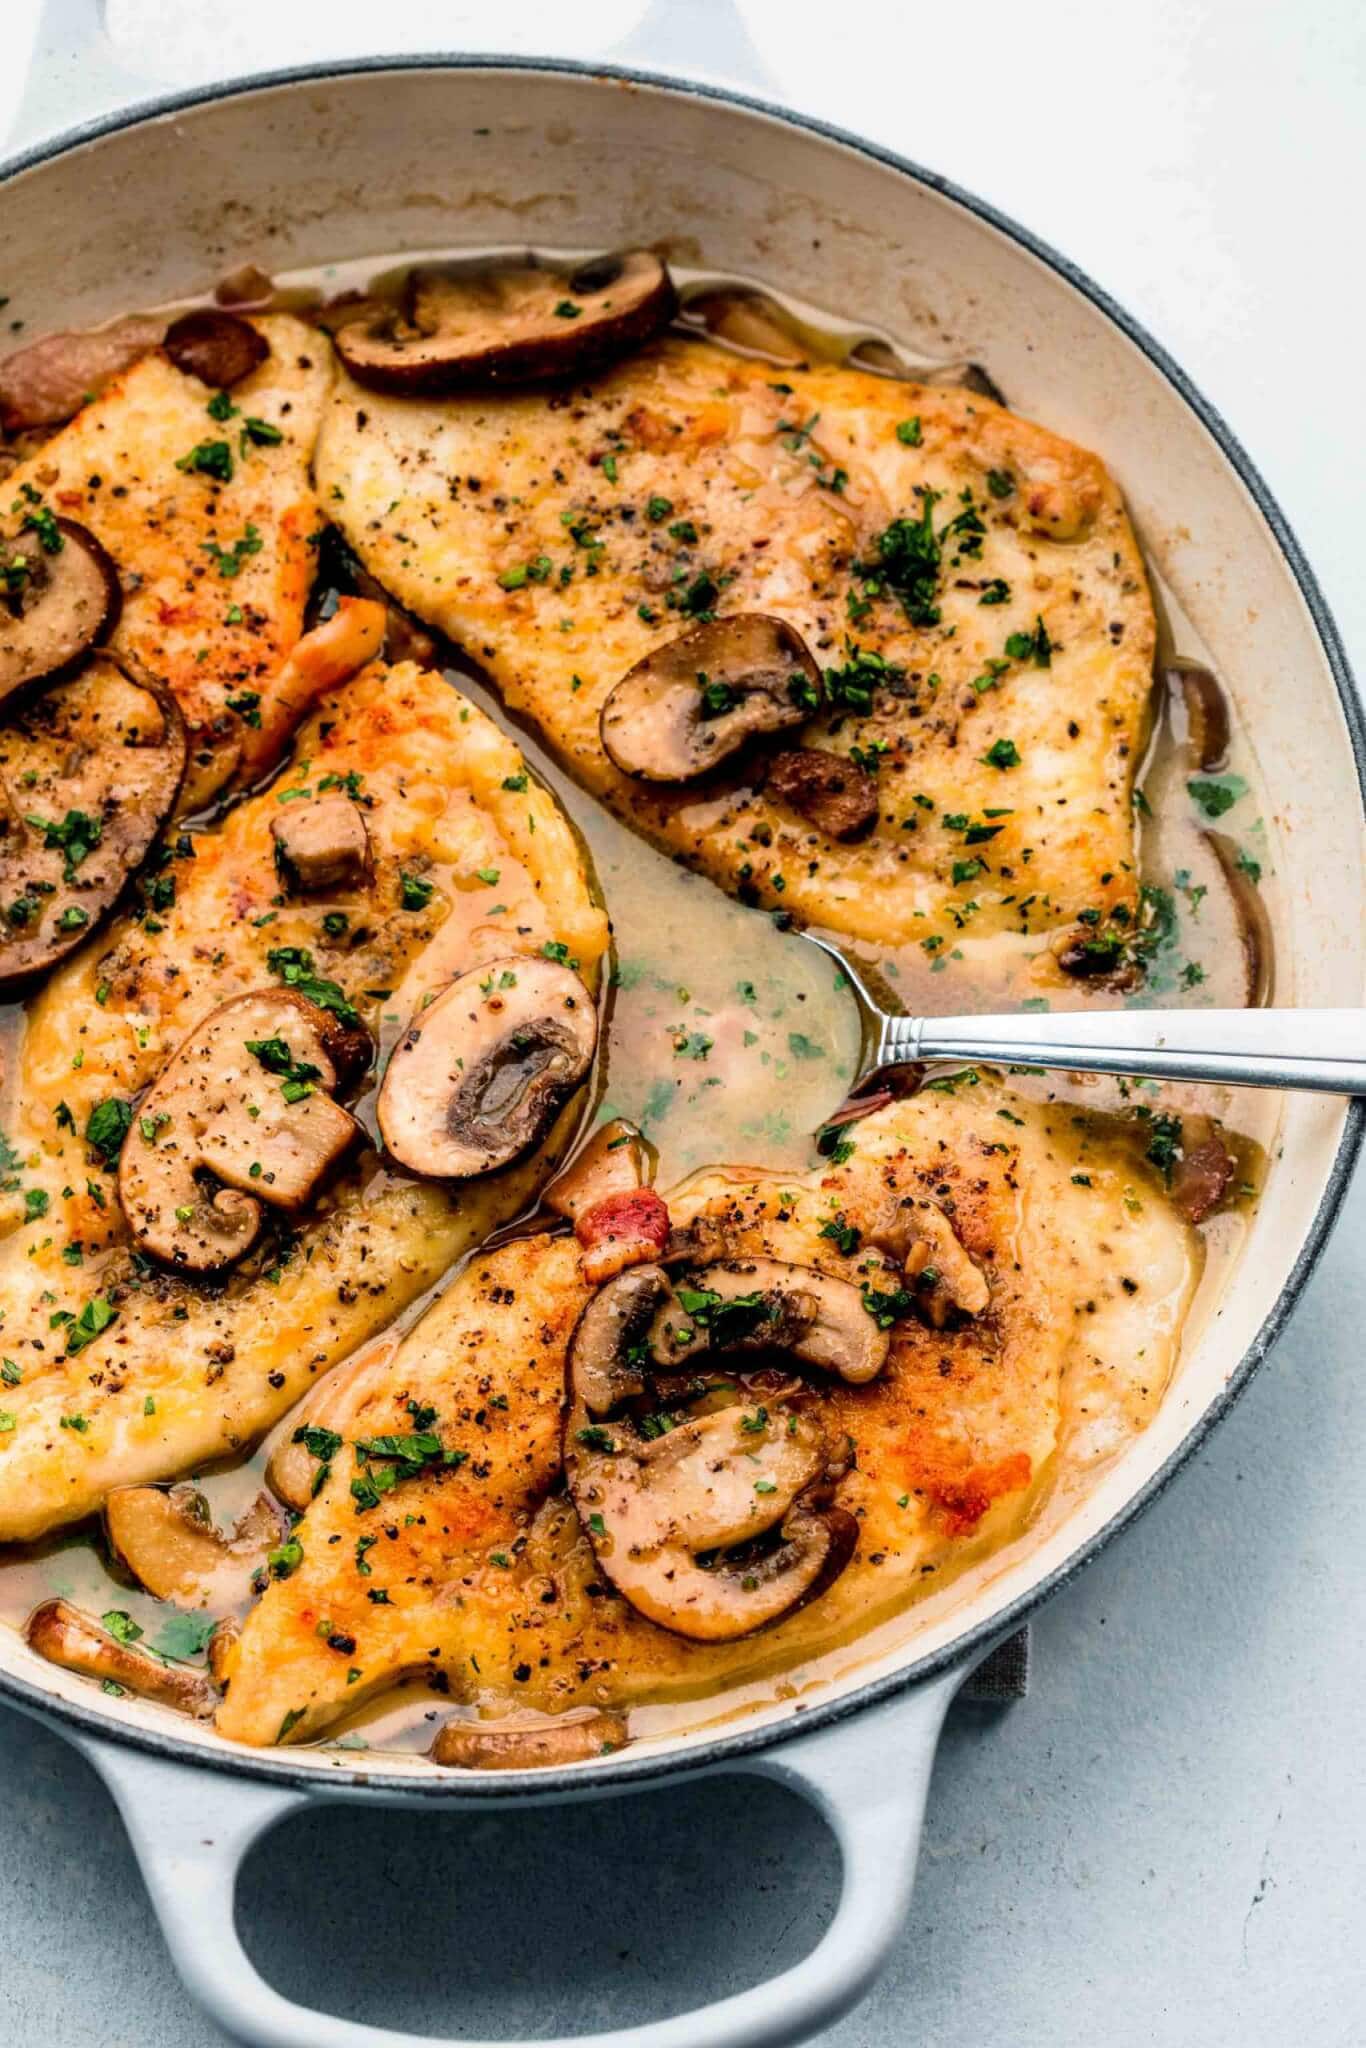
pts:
[605, 1358]
[75, 1640]
[273, 1052]
[217, 347]
[89, 772]
[724, 1480]
[51, 379]
[514, 323]
[477, 1746]
[480, 1074]
[59, 595]
[166, 1539]
[692, 702]
[769, 1305]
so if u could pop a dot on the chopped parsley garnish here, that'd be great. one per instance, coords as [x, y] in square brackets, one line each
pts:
[1164, 1142]
[1035, 646]
[1217, 794]
[247, 705]
[1002, 754]
[657, 509]
[107, 1127]
[851, 688]
[294, 966]
[415, 891]
[231, 560]
[841, 1234]
[884, 1307]
[76, 836]
[208, 458]
[717, 697]
[908, 432]
[296, 1076]
[96, 1316]
[261, 432]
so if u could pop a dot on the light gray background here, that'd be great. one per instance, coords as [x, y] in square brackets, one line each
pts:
[1162, 1847]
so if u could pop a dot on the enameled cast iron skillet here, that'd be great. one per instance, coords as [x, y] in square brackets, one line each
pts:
[307, 167]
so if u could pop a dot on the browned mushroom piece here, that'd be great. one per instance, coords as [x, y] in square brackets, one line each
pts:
[51, 379]
[75, 1640]
[245, 1101]
[692, 702]
[166, 1538]
[514, 323]
[1204, 1170]
[759, 1304]
[1254, 920]
[479, 1746]
[1206, 712]
[322, 844]
[827, 790]
[89, 771]
[59, 596]
[217, 347]
[480, 1075]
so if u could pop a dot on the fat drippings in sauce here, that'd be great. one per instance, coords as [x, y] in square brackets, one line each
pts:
[731, 1039]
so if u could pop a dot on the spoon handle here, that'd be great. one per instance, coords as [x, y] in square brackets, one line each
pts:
[1317, 1049]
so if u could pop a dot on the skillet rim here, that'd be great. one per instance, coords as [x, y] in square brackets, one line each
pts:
[630, 1774]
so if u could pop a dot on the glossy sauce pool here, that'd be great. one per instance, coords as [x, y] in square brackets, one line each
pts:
[731, 1040]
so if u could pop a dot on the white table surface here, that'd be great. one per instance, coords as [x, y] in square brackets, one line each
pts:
[1163, 1846]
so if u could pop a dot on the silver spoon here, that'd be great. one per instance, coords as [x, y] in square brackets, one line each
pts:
[1315, 1049]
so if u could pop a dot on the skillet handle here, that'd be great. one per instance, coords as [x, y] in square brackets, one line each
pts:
[74, 74]
[191, 1830]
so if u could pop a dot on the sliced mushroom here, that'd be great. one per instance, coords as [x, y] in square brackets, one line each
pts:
[298, 1465]
[606, 1358]
[48, 382]
[246, 1099]
[748, 321]
[75, 1640]
[59, 596]
[958, 373]
[217, 347]
[1206, 709]
[167, 1540]
[480, 1074]
[322, 844]
[692, 702]
[89, 772]
[477, 1746]
[830, 792]
[920, 1236]
[656, 1509]
[1254, 921]
[758, 1304]
[512, 324]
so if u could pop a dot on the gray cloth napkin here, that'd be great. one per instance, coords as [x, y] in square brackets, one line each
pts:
[1004, 1675]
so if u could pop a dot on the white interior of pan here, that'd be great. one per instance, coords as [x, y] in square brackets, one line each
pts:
[380, 162]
